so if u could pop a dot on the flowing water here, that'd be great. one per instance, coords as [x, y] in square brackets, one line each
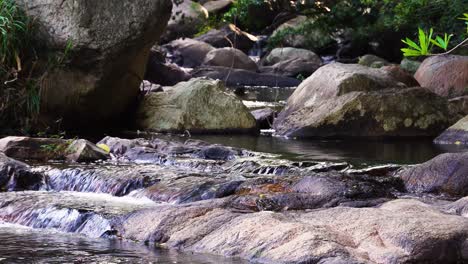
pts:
[19, 244]
[77, 204]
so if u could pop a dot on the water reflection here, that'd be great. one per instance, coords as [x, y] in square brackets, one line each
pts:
[24, 245]
[358, 152]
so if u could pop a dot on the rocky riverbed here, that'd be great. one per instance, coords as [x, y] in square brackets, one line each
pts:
[199, 197]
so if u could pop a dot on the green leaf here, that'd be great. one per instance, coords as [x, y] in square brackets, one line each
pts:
[412, 44]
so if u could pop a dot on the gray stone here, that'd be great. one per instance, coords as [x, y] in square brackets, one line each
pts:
[231, 58]
[455, 135]
[110, 46]
[199, 105]
[446, 173]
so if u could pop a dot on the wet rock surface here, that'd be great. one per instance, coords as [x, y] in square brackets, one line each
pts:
[446, 173]
[17, 176]
[194, 196]
[455, 135]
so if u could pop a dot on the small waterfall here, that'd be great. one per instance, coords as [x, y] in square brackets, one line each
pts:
[60, 219]
[118, 181]
[88, 214]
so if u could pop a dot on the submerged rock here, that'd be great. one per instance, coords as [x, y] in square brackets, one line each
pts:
[110, 46]
[445, 174]
[455, 135]
[351, 100]
[445, 75]
[200, 105]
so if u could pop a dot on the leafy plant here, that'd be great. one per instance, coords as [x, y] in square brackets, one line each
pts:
[424, 47]
[466, 19]
[442, 43]
[13, 30]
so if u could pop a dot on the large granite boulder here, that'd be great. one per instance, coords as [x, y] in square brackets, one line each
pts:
[456, 134]
[341, 100]
[444, 75]
[400, 231]
[187, 18]
[110, 42]
[230, 57]
[199, 105]
[188, 52]
[446, 173]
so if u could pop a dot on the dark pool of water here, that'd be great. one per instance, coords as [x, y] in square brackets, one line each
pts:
[24, 245]
[357, 152]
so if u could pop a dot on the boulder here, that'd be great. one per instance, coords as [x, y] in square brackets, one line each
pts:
[187, 18]
[17, 176]
[160, 72]
[148, 87]
[264, 117]
[397, 73]
[230, 57]
[373, 61]
[341, 100]
[400, 231]
[217, 6]
[288, 53]
[292, 34]
[110, 46]
[229, 36]
[410, 66]
[444, 75]
[458, 107]
[455, 135]
[237, 77]
[82, 150]
[188, 52]
[292, 68]
[445, 174]
[44, 149]
[39, 149]
[199, 105]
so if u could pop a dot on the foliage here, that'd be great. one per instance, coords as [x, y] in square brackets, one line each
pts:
[21, 71]
[14, 26]
[465, 17]
[424, 47]
[239, 14]
[383, 21]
